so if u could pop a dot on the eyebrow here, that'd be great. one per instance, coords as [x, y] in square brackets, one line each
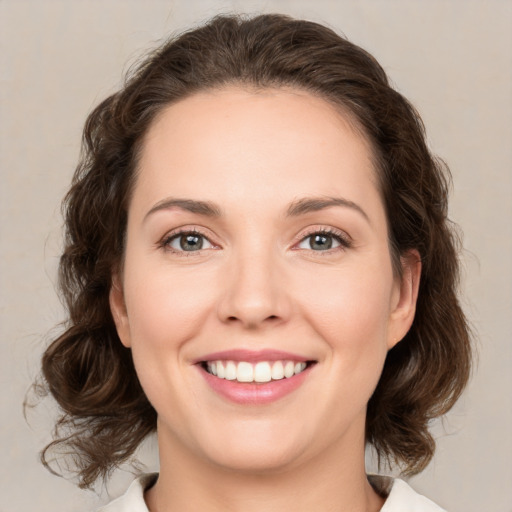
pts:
[314, 204]
[206, 208]
[296, 208]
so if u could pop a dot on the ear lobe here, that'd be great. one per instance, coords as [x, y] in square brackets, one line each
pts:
[404, 301]
[118, 310]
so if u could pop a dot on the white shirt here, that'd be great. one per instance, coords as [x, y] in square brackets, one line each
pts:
[400, 496]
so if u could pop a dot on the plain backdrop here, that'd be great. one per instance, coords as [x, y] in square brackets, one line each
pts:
[453, 59]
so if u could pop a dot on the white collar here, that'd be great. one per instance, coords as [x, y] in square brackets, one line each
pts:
[400, 496]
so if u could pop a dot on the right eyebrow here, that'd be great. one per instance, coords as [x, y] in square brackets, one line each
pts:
[191, 205]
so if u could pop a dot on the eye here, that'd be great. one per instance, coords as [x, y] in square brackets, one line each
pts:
[323, 241]
[187, 241]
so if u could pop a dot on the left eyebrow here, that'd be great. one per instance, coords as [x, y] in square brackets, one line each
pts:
[314, 204]
[296, 208]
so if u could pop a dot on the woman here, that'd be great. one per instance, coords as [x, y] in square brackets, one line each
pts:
[259, 267]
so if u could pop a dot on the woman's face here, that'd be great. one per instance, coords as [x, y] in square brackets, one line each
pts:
[257, 250]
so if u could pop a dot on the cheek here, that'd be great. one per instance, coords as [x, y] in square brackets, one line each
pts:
[166, 312]
[165, 309]
[350, 303]
[351, 314]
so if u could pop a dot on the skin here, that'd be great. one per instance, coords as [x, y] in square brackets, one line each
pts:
[258, 283]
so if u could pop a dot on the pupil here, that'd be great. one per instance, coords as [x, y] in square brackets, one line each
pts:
[191, 242]
[321, 242]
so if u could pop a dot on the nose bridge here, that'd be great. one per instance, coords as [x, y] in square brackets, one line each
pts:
[255, 291]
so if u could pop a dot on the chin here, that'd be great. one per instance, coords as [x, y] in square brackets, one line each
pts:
[254, 450]
[253, 459]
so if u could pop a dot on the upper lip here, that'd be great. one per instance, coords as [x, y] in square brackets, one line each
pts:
[251, 356]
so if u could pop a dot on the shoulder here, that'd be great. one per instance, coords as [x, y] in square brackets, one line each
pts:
[133, 499]
[401, 497]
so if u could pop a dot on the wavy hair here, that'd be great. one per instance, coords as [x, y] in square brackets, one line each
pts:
[104, 412]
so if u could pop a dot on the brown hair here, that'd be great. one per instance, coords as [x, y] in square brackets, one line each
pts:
[105, 414]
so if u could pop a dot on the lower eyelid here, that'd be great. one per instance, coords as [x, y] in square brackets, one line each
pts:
[339, 244]
[168, 239]
[343, 240]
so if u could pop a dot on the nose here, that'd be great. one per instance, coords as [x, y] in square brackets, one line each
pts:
[254, 294]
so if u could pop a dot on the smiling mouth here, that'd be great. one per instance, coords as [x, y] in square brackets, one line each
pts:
[260, 372]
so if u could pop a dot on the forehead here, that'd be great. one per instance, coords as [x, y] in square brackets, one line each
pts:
[282, 110]
[240, 143]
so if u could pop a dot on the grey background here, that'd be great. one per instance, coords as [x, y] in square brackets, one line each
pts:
[453, 59]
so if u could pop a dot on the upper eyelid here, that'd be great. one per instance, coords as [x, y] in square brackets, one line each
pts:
[311, 230]
[343, 235]
[174, 233]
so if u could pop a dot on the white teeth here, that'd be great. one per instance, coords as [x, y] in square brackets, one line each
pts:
[263, 371]
[221, 373]
[277, 370]
[230, 370]
[212, 367]
[289, 369]
[299, 367]
[245, 372]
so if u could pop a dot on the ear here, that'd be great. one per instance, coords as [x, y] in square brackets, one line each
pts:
[404, 298]
[118, 310]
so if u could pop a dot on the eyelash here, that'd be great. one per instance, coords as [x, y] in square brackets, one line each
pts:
[342, 238]
[167, 239]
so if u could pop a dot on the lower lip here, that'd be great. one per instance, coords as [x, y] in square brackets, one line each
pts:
[252, 393]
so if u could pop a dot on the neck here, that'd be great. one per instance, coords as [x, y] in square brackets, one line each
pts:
[330, 482]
